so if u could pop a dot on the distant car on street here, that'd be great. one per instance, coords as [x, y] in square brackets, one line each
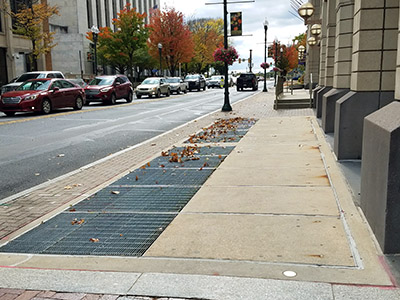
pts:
[79, 81]
[177, 85]
[196, 82]
[247, 80]
[153, 86]
[216, 81]
[108, 89]
[42, 95]
[16, 82]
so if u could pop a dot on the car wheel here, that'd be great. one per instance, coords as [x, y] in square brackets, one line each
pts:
[178, 91]
[87, 102]
[168, 93]
[199, 89]
[138, 96]
[204, 88]
[9, 113]
[185, 91]
[190, 90]
[46, 106]
[78, 103]
[112, 99]
[129, 98]
[158, 95]
[237, 89]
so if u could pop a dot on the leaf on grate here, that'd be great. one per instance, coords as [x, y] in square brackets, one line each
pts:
[94, 240]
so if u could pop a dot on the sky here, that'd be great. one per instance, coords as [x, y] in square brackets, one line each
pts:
[282, 24]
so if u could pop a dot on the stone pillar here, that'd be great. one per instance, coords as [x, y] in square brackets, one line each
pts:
[375, 33]
[342, 63]
[380, 173]
[323, 60]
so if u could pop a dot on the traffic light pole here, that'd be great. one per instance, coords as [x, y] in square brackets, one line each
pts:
[227, 106]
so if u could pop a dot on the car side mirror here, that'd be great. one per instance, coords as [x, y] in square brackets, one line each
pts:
[56, 89]
[117, 83]
[181, 81]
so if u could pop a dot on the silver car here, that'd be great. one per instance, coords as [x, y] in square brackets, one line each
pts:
[153, 86]
[177, 85]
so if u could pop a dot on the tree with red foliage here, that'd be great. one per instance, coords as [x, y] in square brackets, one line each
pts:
[168, 28]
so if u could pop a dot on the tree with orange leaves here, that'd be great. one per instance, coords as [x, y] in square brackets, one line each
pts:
[168, 28]
[118, 48]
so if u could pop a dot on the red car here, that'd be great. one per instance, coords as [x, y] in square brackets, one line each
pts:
[42, 95]
[108, 89]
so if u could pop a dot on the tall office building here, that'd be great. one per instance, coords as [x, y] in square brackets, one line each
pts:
[75, 20]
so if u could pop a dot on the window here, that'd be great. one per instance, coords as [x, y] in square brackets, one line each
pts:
[58, 75]
[114, 12]
[121, 4]
[107, 10]
[58, 29]
[66, 84]
[98, 13]
[89, 13]
[16, 5]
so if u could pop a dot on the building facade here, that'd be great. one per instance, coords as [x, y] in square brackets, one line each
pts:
[76, 18]
[70, 56]
[358, 101]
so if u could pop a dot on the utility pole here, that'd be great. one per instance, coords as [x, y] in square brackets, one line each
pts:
[250, 60]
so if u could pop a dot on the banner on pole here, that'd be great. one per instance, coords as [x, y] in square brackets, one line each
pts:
[236, 23]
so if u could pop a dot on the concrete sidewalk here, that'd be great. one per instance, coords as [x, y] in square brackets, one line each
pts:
[276, 220]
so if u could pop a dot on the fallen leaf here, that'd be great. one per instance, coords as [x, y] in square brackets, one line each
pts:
[115, 192]
[37, 174]
[68, 187]
[72, 209]
[60, 155]
[137, 178]
[93, 240]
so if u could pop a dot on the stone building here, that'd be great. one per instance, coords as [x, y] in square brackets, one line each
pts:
[75, 20]
[357, 100]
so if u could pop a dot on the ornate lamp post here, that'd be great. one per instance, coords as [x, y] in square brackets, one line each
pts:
[95, 31]
[312, 41]
[316, 29]
[265, 54]
[159, 51]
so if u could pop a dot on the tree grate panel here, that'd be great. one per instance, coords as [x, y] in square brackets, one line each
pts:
[162, 176]
[197, 163]
[99, 234]
[138, 199]
[207, 150]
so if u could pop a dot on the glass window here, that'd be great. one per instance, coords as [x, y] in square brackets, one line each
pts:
[102, 81]
[58, 75]
[107, 10]
[65, 84]
[98, 13]
[89, 13]
[36, 85]
[151, 81]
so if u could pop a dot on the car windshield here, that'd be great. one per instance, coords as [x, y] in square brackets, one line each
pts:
[102, 81]
[246, 76]
[36, 85]
[27, 76]
[151, 81]
[173, 80]
[216, 77]
[192, 77]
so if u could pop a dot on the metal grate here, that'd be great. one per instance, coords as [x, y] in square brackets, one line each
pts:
[199, 162]
[117, 234]
[138, 199]
[180, 177]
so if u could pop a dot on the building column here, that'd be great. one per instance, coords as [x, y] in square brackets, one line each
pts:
[312, 53]
[375, 33]
[342, 62]
[323, 60]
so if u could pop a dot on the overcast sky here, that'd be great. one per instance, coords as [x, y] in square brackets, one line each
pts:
[282, 25]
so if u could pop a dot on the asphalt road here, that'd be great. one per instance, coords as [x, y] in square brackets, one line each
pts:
[37, 148]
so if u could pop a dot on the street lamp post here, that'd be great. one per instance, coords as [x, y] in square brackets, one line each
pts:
[227, 106]
[95, 31]
[265, 54]
[159, 51]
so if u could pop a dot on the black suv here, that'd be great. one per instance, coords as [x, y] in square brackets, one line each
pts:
[196, 82]
[247, 80]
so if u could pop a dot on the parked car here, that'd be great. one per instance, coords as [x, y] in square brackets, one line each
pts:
[16, 82]
[108, 89]
[216, 81]
[177, 85]
[42, 95]
[196, 82]
[153, 86]
[247, 80]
